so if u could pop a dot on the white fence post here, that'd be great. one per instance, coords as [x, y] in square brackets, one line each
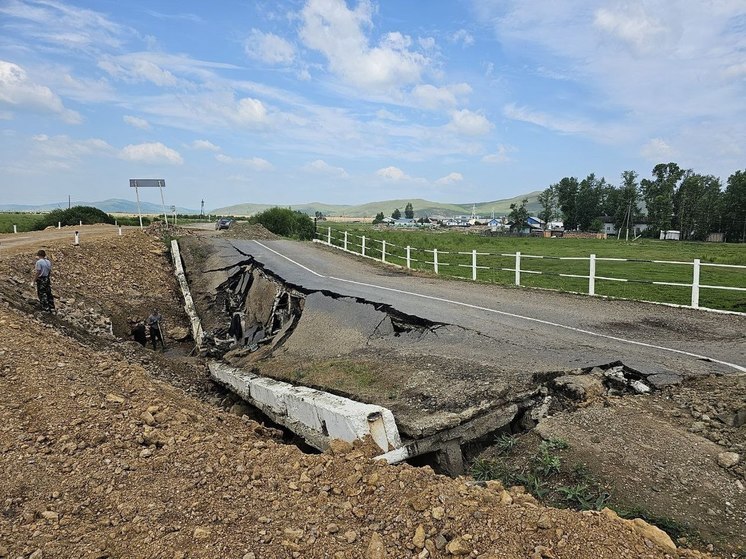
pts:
[518, 268]
[474, 265]
[345, 241]
[363, 245]
[76, 242]
[435, 260]
[329, 236]
[695, 284]
[409, 257]
[59, 225]
[592, 275]
[120, 230]
[15, 229]
[383, 251]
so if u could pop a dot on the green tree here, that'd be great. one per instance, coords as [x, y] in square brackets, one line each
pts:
[409, 211]
[567, 193]
[548, 201]
[378, 218]
[697, 206]
[734, 204]
[73, 216]
[518, 215]
[589, 202]
[659, 195]
[396, 214]
[625, 208]
[286, 222]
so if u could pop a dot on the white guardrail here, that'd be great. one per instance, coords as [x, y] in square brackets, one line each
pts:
[349, 243]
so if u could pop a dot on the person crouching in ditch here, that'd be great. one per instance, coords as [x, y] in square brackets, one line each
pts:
[43, 281]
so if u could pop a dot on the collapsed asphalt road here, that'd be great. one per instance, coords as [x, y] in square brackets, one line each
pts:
[519, 330]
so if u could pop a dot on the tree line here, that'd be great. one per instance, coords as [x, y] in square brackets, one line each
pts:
[673, 198]
[396, 214]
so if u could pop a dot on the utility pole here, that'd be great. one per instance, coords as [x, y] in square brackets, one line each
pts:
[68, 201]
[202, 209]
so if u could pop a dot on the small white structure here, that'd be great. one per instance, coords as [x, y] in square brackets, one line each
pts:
[670, 235]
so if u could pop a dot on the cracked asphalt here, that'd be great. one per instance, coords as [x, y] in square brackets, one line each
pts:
[521, 330]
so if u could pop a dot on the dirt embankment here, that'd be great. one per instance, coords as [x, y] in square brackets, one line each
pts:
[100, 457]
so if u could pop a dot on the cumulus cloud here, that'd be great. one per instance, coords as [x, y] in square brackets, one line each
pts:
[431, 97]
[205, 145]
[19, 92]
[394, 174]
[635, 27]
[268, 48]
[322, 167]
[330, 27]
[251, 111]
[450, 178]
[468, 123]
[500, 156]
[69, 149]
[657, 149]
[153, 152]
[137, 122]
[255, 163]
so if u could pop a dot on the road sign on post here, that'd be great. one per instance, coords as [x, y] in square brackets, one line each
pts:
[149, 183]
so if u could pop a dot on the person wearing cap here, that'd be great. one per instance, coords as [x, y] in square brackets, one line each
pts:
[43, 281]
[154, 326]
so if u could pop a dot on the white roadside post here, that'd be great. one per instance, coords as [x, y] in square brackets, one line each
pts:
[695, 283]
[363, 247]
[518, 268]
[15, 229]
[474, 265]
[409, 257]
[329, 236]
[383, 251]
[59, 225]
[435, 260]
[592, 275]
[120, 230]
[76, 242]
[345, 242]
[80, 223]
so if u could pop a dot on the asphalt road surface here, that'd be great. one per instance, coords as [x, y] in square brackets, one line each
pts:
[526, 330]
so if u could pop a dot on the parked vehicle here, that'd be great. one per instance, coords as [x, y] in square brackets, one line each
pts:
[223, 223]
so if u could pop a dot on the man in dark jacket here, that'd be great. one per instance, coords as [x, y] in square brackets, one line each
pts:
[154, 325]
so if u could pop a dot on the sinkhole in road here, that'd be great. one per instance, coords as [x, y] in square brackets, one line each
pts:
[446, 409]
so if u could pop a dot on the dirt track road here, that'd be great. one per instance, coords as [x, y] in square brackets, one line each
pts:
[13, 243]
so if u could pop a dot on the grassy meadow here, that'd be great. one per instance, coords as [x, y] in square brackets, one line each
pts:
[23, 221]
[497, 254]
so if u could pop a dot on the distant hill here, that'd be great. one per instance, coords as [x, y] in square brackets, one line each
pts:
[113, 205]
[422, 208]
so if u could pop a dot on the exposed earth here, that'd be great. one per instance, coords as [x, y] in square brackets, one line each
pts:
[108, 449]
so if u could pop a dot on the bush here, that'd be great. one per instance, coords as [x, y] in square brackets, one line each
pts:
[73, 216]
[287, 223]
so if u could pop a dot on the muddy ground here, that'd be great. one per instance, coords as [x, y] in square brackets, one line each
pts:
[108, 449]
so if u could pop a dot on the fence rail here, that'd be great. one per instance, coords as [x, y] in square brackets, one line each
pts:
[516, 263]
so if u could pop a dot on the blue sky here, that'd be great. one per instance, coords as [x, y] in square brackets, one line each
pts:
[347, 102]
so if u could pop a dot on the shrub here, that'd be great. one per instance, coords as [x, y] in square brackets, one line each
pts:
[73, 216]
[285, 222]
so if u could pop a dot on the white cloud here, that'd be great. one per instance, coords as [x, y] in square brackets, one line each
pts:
[137, 122]
[153, 152]
[322, 167]
[431, 97]
[251, 111]
[500, 156]
[450, 178]
[469, 123]
[634, 27]
[329, 27]
[17, 91]
[255, 163]
[204, 145]
[558, 124]
[134, 68]
[657, 150]
[269, 48]
[66, 148]
[394, 174]
[462, 36]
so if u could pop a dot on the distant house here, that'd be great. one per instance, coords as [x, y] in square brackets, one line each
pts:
[405, 222]
[635, 228]
[388, 220]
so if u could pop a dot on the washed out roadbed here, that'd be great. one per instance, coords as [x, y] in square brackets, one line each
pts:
[110, 450]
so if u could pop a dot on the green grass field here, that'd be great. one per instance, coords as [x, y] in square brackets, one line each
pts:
[496, 254]
[23, 221]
